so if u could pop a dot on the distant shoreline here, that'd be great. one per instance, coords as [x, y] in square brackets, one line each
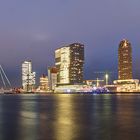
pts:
[76, 93]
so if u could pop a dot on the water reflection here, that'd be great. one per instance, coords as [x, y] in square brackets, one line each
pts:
[47, 117]
[9, 119]
[126, 126]
[69, 117]
[29, 118]
[65, 125]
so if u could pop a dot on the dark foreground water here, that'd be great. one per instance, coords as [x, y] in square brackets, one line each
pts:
[69, 117]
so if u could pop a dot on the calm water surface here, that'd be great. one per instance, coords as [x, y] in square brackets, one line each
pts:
[69, 117]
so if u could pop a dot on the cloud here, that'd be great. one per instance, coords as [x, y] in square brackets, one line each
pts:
[39, 36]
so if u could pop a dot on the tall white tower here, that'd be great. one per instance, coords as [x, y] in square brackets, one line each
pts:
[28, 77]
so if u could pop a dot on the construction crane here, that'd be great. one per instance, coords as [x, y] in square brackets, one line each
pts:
[105, 74]
[97, 81]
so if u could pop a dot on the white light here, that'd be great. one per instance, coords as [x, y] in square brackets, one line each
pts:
[106, 78]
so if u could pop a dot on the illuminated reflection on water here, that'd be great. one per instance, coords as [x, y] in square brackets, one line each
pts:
[69, 117]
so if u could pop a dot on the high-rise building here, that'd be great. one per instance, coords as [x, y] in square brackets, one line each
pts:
[28, 77]
[124, 60]
[69, 61]
[52, 77]
[44, 83]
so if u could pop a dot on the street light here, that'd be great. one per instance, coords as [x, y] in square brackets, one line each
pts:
[106, 78]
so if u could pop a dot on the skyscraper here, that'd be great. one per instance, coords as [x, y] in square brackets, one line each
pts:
[69, 61]
[124, 60]
[28, 77]
[52, 77]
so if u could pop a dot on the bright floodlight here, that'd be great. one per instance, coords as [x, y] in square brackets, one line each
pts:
[106, 78]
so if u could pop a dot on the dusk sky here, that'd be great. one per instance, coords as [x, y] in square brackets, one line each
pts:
[33, 29]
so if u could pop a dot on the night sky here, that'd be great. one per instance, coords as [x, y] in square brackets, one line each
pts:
[33, 29]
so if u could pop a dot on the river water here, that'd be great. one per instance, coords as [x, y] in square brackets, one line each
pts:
[69, 117]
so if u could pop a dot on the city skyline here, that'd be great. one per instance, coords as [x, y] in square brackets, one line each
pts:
[32, 30]
[100, 74]
[69, 69]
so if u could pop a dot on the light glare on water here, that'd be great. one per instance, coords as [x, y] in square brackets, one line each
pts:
[69, 117]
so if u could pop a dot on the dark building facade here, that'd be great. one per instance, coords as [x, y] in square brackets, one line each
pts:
[52, 77]
[124, 60]
[69, 61]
